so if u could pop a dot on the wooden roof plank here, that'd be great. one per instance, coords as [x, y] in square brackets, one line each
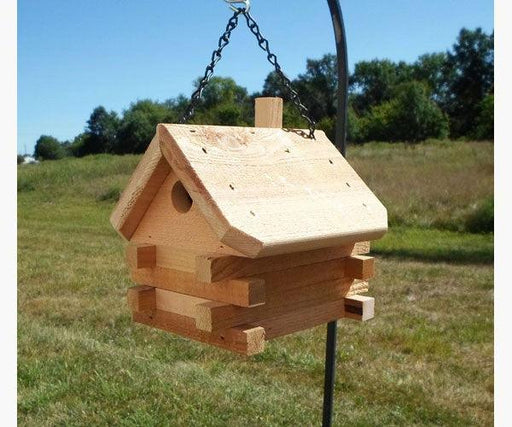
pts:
[270, 191]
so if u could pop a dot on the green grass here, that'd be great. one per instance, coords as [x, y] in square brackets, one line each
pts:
[426, 358]
[439, 185]
[436, 245]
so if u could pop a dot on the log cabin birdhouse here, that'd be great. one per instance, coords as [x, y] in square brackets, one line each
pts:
[237, 235]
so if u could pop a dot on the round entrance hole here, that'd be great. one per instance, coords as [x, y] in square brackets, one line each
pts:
[181, 200]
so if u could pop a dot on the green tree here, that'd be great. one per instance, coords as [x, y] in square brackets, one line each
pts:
[66, 147]
[48, 148]
[292, 118]
[318, 86]
[431, 69]
[177, 106]
[224, 102]
[273, 86]
[484, 128]
[20, 159]
[138, 125]
[317, 89]
[75, 148]
[101, 132]
[471, 69]
[356, 126]
[373, 82]
[409, 116]
[222, 90]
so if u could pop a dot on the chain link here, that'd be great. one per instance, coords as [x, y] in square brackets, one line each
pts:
[285, 81]
[216, 56]
[264, 45]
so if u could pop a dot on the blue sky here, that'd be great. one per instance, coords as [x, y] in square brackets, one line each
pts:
[75, 55]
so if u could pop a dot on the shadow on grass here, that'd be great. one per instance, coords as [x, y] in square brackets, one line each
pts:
[436, 246]
[452, 257]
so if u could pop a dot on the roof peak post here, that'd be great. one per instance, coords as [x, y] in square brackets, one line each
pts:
[268, 112]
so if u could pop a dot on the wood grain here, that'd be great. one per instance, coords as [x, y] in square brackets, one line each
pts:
[247, 340]
[268, 112]
[141, 298]
[360, 267]
[165, 227]
[359, 307]
[145, 182]
[174, 302]
[176, 258]
[213, 268]
[212, 316]
[243, 292]
[303, 319]
[141, 256]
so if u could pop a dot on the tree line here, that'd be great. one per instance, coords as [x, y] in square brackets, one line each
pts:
[440, 95]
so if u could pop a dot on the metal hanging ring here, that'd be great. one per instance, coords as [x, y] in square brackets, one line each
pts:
[245, 3]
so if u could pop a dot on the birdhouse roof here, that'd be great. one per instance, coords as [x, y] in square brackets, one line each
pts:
[264, 191]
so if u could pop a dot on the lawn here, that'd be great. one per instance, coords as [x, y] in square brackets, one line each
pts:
[426, 358]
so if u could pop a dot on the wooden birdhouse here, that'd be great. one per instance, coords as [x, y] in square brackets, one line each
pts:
[237, 235]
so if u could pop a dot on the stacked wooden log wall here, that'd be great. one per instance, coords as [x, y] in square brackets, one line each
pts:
[237, 303]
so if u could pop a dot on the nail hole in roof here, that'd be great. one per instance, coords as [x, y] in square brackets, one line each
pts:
[231, 186]
[348, 185]
[204, 150]
[331, 162]
[252, 213]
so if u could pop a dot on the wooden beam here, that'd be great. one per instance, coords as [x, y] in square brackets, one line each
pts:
[247, 340]
[268, 112]
[214, 316]
[176, 258]
[302, 319]
[184, 305]
[141, 298]
[319, 314]
[141, 256]
[277, 282]
[242, 292]
[360, 267]
[213, 268]
[359, 307]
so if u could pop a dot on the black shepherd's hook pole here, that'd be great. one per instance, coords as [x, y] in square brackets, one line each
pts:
[341, 135]
[341, 51]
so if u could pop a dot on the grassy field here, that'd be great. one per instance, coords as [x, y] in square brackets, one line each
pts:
[427, 357]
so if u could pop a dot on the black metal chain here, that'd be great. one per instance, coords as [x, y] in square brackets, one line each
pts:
[293, 95]
[216, 55]
[264, 45]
